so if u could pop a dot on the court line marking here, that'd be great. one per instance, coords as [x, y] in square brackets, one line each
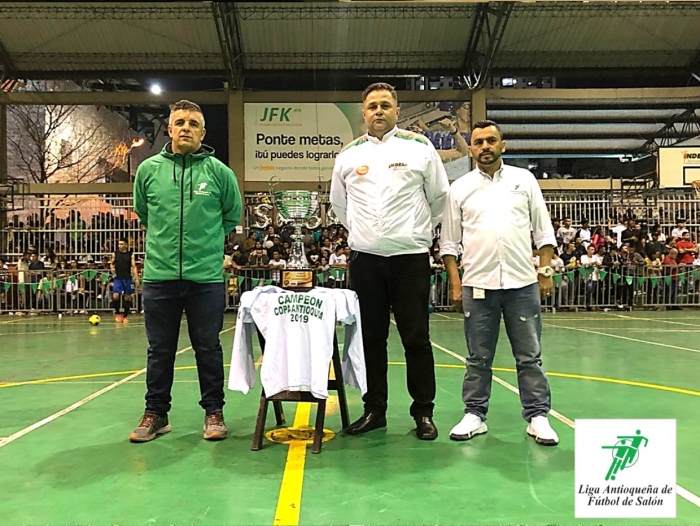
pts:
[55, 379]
[19, 434]
[65, 378]
[604, 379]
[103, 382]
[620, 381]
[677, 347]
[288, 508]
[671, 322]
[601, 316]
[604, 316]
[8, 322]
[635, 329]
[58, 323]
[681, 491]
[60, 332]
[695, 331]
[289, 500]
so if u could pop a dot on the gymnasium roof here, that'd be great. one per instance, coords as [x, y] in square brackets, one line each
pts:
[253, 42]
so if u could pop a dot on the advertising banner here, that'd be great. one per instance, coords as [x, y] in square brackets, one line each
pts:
[299, 142]
[679, 166]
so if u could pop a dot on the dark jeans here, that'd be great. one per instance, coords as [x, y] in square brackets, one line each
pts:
[482, 323]
[400, 284]
[204, 304]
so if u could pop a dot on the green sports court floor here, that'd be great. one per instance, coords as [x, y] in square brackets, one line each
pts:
[71, 393]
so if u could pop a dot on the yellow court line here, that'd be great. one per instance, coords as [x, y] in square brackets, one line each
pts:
[95, 375]
[64, 378]
[289, 501]
[621, 382]
[604, 379]
[19, 434]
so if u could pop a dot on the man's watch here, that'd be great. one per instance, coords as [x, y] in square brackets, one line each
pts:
[547, 272]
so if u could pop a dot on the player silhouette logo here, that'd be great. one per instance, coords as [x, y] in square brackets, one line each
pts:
[625, 453]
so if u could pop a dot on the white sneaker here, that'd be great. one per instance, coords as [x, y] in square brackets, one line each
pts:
[542, 432]
[468, 427]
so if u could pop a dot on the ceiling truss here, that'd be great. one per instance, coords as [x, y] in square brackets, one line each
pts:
[229, 32]
[487, 30]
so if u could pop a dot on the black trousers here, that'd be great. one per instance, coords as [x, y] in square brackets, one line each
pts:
[400, 284]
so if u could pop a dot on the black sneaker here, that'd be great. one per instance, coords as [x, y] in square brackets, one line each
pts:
[214, 426]
[150, 427]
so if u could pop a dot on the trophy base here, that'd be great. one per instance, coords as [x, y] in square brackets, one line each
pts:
[298, 279]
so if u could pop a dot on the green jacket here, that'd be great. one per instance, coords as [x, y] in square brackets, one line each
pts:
[188, 205]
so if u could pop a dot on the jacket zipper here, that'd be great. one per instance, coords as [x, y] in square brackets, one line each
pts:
[182, 212]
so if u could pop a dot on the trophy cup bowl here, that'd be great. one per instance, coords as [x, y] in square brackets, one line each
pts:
[297, 207]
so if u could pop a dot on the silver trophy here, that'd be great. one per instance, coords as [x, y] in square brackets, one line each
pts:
[296, 207]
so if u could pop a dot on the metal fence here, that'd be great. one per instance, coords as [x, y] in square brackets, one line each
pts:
[65, 290]
[81, 291]
[629, 287]
[625, 288]
[78, 234]
[84, 290]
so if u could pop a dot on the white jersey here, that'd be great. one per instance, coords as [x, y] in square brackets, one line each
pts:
[298, 329]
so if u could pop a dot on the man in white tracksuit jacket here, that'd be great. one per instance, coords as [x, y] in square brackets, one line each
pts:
[389, 189]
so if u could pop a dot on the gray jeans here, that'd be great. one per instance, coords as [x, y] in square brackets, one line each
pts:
[522, 316]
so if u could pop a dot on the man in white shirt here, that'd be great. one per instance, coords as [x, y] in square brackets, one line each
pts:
[492, 211]
[338, 260]
[592, 264]
[566, 232]
[389, 188]
[584, 233]
[275, 264]
[618, 229]
[680, 228]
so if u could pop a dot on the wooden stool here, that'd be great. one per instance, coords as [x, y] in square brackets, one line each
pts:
[304, 396]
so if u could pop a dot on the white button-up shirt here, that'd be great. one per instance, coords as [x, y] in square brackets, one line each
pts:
[493, 219]
[389, 193]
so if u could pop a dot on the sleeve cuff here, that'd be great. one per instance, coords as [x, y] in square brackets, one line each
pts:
[449, 248]
[544, 239]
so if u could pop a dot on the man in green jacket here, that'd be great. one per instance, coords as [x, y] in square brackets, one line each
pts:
[188, 201]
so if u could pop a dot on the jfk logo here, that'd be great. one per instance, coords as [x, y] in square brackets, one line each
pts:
[201, 189]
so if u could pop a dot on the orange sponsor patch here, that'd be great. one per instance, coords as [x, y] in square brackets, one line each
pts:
[362, 170]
